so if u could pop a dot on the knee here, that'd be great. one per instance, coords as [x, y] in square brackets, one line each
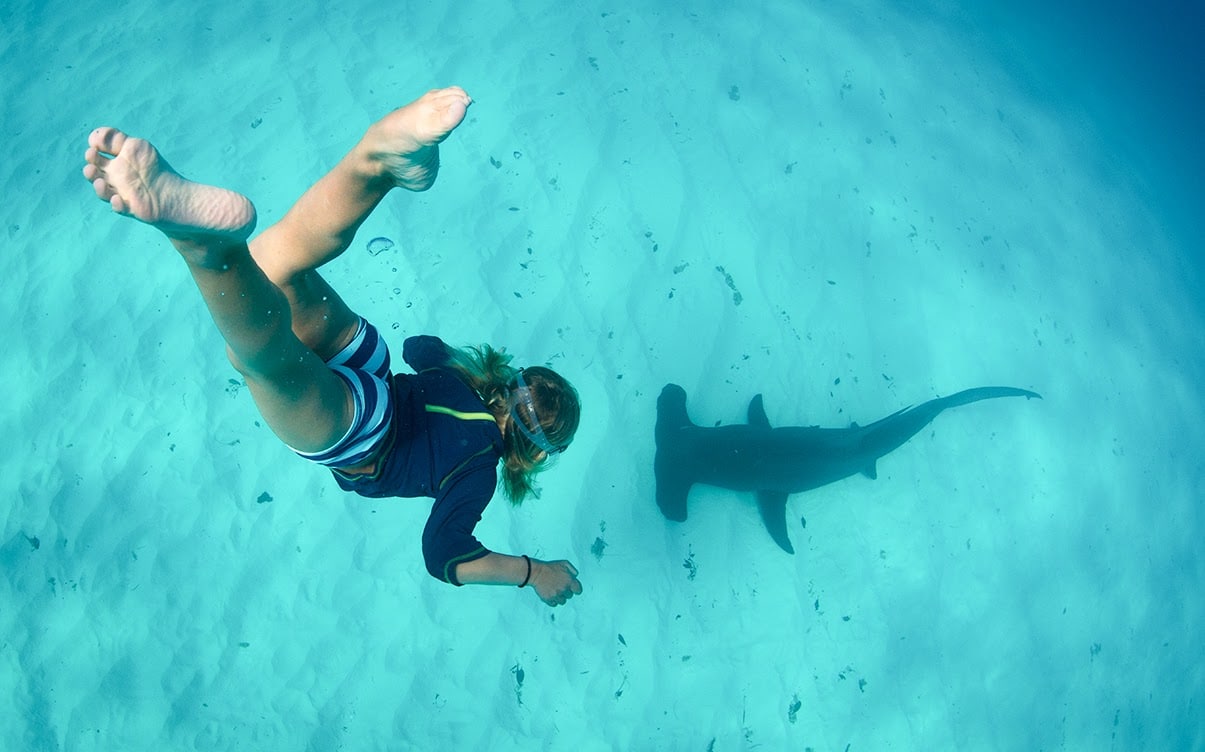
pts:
[261, 371]
[235, 361]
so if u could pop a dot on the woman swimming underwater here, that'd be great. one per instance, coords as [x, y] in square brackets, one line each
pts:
[321, 375]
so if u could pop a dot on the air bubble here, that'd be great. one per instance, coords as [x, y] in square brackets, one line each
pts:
[377, 246]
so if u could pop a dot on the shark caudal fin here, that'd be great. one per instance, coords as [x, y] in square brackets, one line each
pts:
[931, 408]
[887, 434]
[968, 396]
[669, 466]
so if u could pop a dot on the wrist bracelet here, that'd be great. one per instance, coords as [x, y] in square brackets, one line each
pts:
[526, 579]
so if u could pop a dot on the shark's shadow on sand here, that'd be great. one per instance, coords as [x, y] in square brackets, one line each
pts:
[777, 462]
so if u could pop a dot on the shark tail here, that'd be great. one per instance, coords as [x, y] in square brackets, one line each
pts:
[892, 431]
[967, 396]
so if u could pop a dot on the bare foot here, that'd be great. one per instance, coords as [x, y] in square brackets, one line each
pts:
[403, 145]
[137, 182]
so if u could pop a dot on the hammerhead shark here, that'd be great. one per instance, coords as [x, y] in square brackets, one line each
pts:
[777, 462]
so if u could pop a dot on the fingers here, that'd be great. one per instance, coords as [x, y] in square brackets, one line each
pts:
[569, 587]
[562, 596]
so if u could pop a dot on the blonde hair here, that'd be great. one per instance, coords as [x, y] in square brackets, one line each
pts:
[489, 373]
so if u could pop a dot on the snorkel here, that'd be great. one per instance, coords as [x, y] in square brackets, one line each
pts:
[521, 395]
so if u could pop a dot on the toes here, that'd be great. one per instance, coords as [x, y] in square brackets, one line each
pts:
[442, 99]
[452, 113]
[449, 106]
[94, 173]
[103, 191]
[457, 93]
[453, 96]
[107, 140]
[96, 161]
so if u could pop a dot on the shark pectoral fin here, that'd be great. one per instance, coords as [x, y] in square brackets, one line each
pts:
[773, 506]
[757, 413]
[672, 490]
[870, 471]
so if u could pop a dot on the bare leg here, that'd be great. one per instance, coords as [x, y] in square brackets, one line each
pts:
[303, 402]
[279, 318]
[400, 150]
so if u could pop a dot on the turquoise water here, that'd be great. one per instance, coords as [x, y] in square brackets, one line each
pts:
[845, 208]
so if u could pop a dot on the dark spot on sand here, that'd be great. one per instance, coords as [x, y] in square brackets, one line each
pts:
[689, 564]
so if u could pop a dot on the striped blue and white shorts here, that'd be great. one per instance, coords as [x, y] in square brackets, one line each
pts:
[364, 365]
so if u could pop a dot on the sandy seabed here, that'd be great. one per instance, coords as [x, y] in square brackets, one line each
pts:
[845, 211]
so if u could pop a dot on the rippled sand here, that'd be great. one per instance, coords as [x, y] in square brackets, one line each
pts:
[845, 213]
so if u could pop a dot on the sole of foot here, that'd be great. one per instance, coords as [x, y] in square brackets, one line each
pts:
[404, 145]
[133, 177]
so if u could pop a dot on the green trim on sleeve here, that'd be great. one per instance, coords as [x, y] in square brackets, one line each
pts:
[450, 567]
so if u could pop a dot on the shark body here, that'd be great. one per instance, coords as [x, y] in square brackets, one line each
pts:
[777, 462]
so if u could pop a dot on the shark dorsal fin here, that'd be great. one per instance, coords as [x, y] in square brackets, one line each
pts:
[870, 471]
[757, 413]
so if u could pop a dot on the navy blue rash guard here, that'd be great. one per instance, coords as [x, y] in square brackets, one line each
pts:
[443, 444]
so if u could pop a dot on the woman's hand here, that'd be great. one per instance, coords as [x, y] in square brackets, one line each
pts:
[554, 581]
